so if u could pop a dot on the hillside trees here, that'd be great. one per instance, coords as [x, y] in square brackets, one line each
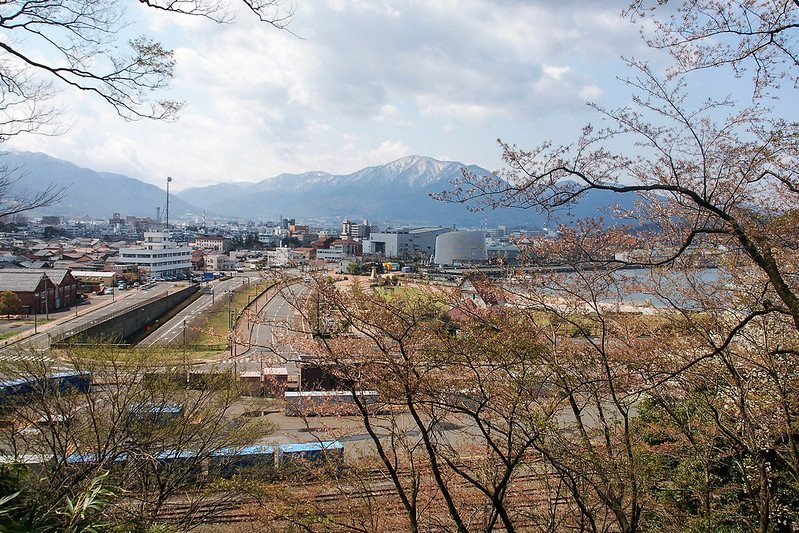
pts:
[138, 427]
[650, 383]
[457, 415]
[717, 186]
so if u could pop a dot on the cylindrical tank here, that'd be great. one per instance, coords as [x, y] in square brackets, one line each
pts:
[460, 247]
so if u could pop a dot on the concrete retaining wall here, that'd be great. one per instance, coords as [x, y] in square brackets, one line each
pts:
[121, 327]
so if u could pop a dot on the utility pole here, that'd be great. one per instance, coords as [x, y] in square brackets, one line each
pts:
[229, 315]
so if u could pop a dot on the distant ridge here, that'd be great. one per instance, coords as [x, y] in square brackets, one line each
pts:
[398, 192]
[395, 191]
[89, 192]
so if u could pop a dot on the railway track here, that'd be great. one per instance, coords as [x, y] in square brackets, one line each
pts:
[337, 501]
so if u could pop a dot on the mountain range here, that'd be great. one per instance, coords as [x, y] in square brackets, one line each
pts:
[88, 192]
[397, 192]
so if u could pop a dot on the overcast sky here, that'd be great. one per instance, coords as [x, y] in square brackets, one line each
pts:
[362, 83]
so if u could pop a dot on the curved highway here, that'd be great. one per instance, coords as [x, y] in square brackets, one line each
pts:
[173, 329]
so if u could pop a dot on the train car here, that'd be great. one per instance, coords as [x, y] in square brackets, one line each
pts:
[169, 378]
[168, 457]
[60, 382]
[14, 388]
[82, 458]
[328, 403]
[71, 381]
[159, 414]
[257, 460]
[91, 458]
[210, 380]
[270, 382]
[317, 377]
[180, 460]
[292, 457]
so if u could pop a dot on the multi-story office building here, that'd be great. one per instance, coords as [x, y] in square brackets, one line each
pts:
[355, 231]
[158, 256]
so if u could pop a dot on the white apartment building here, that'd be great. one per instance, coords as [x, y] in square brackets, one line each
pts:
[219, 262]
[330, 255]
[284, 257]
[158, 256]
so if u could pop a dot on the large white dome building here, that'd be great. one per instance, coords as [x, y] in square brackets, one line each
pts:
[460, 247]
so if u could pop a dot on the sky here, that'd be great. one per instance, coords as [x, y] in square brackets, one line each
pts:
[358, 83]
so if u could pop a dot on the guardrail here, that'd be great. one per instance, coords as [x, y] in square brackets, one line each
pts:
[77, 330]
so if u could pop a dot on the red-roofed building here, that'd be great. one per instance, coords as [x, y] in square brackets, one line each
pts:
[323, 243]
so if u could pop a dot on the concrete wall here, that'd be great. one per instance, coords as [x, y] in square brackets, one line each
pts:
[119, 328]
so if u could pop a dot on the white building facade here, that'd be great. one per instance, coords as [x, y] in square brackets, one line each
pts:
[461, 247]
[158, 256]
[415, 242]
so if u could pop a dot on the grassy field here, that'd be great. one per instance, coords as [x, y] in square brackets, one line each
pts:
[12, 328]
[213, 330]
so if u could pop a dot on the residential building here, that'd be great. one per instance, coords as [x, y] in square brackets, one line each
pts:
[219, 244]
[283, 257]
[355, 231]
[198, 259]
[331, 255]
[219, 262]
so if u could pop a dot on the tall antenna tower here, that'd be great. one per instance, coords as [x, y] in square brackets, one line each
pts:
[168, 181]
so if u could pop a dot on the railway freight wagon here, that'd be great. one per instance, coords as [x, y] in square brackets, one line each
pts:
[65, 381]
[156, 413]
[256, 460]
[16, 390]
[270, 382]
[328, 403]
[294, 457]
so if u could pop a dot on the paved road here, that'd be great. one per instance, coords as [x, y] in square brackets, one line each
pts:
[263, 333]
[173, 329]
[64, 322]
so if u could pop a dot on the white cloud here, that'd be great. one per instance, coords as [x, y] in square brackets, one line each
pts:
[388, 151]
[366, 82]
[555, 72]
